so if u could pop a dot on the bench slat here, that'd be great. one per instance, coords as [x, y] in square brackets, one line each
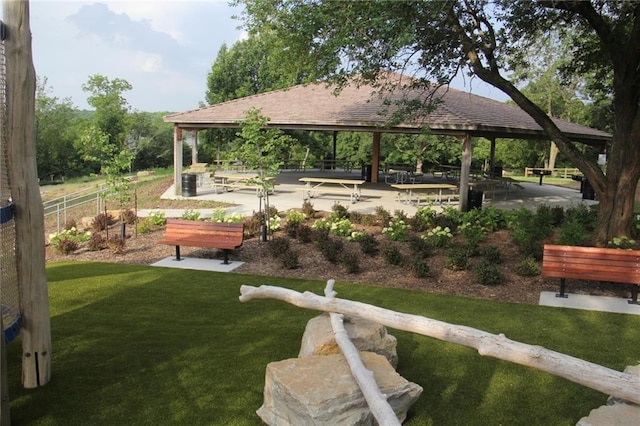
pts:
[218, 235]
[592, 264]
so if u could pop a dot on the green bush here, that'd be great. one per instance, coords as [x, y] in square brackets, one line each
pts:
[305, 233]
[350, 261]
[488, 273]
[97, 242]
[392, 254]
[396, 230]
[438, 236]
[338, 212]
[332, 249]
[190, 214]
[157, 218]
[382, 215]
[420, 246]
[423, 219]
[307, 209]
[456, 259]
[527, 267]
[420, 267]
[290, 259]
[341, 227]
[278, 246]
[116, 244]
[68, 240]
[368, 243]
[492, 254]
[144, 225]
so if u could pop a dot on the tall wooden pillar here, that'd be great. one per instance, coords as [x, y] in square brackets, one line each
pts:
[492, 157]
[25, 192]
[375, 157]
[177, 160]
[194, 147]
[465, 171]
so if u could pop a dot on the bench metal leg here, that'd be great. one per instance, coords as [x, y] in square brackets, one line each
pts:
[225, 253]
[561, 294]
[178, 254]
[634, 293]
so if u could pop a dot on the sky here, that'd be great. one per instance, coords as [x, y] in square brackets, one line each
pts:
[164, 49]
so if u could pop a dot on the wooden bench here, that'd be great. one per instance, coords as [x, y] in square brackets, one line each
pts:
[195, 233]
[592, 264]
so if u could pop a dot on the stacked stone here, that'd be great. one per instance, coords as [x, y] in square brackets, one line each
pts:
[317, 388]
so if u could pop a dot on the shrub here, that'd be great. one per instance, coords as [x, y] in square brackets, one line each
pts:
[252, 224]
[332, 249]
[278, 246]
[492, 254]
[274, 223]
[190, 214]
[305, 233]
[71, 223]
[438, 236]
[218, 215]
[529, 230]
[144, 225]
[456, 259]
[272, 210]
[423, 219]
[157, 218]
[624, 243]
[338, 211]
[368, 219]
[472, 232]
[97, 242]
[101, 222]
[319, 235]
[68, 240]
[341, 227]
[573, 233]
[420, 246]
[321, 224]
[307, 209]
[350, 261]
[420, 267]
[368, 243]
[128, 216]
[116, 244]
[488, 273]
[294, 216]
[383, 216]
[66, 246]
[291, 229]
[527, 267]
[290, 259]
[396, 230]
[356, 217]
[392, 254]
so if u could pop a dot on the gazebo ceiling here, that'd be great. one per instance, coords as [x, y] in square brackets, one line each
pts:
[316, 107]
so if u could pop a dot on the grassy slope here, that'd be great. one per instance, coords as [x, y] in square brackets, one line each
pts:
[139, 345]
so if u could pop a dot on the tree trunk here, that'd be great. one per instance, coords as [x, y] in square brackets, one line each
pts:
[25, 192]
[594, 376]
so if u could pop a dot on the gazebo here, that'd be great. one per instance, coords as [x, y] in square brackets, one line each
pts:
[364, 108]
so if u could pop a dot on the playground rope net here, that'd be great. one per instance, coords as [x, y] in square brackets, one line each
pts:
[9, 287]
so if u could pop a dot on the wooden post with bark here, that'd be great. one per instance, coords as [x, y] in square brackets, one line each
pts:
[603, 379]
[25, 193]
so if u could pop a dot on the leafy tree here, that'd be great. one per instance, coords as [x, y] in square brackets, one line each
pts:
[262, 149]
[56, 129]
[487, 39]
[152, 140]
[111, 108]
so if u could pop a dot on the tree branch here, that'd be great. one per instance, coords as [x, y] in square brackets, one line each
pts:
[594, 376]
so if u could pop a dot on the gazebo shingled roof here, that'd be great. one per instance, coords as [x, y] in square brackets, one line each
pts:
[360, 107]
[316, 107]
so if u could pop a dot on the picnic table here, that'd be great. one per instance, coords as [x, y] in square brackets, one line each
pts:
[400, 176]
[316, 185]
[495, 186]
[410, 192]
[231, 181]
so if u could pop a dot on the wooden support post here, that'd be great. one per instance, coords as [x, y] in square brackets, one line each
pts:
[177, 160]
[375, 157]
[25, 192]
[465, 171]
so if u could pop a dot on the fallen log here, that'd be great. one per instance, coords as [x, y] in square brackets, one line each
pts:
[594, 376]
[377, 401]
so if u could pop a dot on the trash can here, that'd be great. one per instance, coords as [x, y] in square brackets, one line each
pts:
[474, 200]
[366, 172]
[189, 184]
[587, 190]
[497, 171]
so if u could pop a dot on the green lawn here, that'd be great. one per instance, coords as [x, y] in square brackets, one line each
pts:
[136, 345]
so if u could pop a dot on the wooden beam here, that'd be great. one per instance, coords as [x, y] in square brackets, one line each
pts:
[465, 172]
[25, 192]
[375, 157]
[177, 160]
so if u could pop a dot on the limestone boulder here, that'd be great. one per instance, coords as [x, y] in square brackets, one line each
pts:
[320, 390]
[366, 336]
